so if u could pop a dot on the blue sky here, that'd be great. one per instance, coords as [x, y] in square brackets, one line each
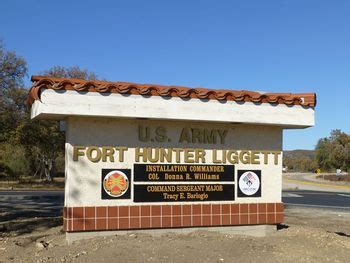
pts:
[276, 46]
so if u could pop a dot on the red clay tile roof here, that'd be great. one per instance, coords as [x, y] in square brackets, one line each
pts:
[43, 82]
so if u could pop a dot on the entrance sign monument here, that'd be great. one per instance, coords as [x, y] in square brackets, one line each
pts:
[141, 156]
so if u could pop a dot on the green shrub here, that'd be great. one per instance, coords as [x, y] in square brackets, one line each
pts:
[13, 160]
[60, 165]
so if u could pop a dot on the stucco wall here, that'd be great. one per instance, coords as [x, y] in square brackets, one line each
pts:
[83, 178]
[60, 104]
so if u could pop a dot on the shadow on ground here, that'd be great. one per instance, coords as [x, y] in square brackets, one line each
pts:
[24, 212]
[18, 207]
[282, 226]
[17, 228]
[342, 234]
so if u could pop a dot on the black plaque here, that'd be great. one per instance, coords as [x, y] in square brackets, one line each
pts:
[183, 173]
[183, 192]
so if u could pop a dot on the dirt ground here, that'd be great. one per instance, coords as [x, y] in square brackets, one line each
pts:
[308, 235]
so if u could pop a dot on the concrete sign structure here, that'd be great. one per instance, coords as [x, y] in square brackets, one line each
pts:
[142, 156]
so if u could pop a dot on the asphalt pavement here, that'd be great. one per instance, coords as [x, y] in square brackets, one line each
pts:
[15, 205]
[320, 199]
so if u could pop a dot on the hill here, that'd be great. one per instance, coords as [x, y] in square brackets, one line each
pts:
[299, 154]
[300, 160]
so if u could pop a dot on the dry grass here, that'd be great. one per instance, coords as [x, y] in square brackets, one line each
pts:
[334, 177]
[30, 183]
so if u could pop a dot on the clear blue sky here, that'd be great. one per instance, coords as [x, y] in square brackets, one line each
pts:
[277, 46]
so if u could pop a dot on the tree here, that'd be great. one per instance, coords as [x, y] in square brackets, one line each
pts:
[12, 112]
[70, 72]
[333, 152]
[300, 164]
[322, 154]
[42, 139]
[43, 143]
[13, 69]
[28, 146]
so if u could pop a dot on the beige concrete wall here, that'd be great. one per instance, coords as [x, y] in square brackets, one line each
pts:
[83, 178]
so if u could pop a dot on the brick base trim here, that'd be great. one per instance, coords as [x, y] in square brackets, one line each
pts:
[170, 216]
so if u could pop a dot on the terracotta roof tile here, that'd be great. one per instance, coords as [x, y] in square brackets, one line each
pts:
[43, 82]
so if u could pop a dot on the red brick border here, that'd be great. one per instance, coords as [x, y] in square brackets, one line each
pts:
[170, 216]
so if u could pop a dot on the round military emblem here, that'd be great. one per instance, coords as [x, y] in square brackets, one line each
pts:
[116, 183]
[249, 183]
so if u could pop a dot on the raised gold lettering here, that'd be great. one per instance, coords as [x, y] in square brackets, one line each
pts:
[244, 157]
[140, 153]
[199, 155]
[93, 153]
[276, 153]
[78, 151]
[255, 157]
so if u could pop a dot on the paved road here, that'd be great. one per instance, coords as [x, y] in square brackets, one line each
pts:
[316, 199]
[29, 204]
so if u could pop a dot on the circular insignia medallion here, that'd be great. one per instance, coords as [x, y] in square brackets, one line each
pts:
[249, 183]
[116, 183]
